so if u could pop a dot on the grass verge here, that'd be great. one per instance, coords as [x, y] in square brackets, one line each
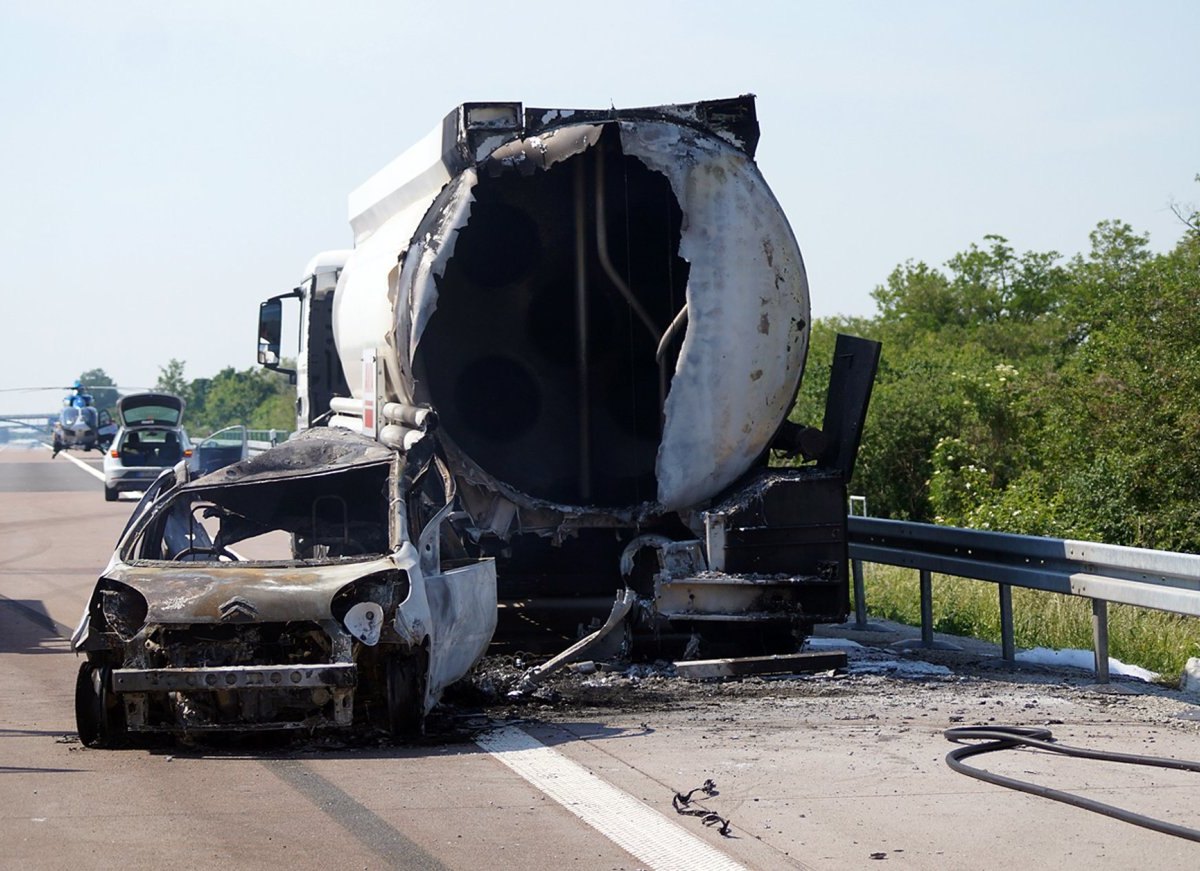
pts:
[1155, 640]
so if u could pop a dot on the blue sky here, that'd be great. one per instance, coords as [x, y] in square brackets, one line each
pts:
[168, 165]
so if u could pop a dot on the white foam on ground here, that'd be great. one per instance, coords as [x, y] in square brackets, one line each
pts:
[1083, 659]
[900, 668]
[830, 644]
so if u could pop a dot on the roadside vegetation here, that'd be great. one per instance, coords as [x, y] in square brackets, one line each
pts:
[253, 397]
[1035, 394]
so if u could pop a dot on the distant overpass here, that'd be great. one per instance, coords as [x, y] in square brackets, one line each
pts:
[38, 423]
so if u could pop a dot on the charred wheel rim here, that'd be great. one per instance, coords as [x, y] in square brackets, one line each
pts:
[405, 686]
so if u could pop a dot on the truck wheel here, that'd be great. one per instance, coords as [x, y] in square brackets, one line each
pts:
[110, 493]
[405, 686]
[99, 715]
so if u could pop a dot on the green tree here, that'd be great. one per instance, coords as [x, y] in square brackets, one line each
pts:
[197, 393]
[956, 346]
[1022, 393]
[1124, 435]
[171, 380]
[277, 411]
[233, 397]
[253, 397]
[983, 286]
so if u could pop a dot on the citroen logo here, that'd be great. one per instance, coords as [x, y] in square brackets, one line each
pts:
[238, 610]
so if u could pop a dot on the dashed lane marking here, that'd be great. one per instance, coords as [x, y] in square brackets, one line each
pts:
[95, 473]
[646, 834]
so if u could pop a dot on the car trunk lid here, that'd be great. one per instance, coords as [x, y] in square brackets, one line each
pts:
[150, 409]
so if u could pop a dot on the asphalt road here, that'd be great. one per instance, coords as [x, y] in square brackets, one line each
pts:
[823, 772]
[20, 474]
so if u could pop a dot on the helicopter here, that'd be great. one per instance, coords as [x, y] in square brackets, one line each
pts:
[79, 424]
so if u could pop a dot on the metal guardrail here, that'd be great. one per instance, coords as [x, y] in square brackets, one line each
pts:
[268, 437]
[1101, 572]
[259, 440]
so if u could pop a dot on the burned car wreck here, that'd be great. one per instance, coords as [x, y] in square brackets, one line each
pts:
[316, 585]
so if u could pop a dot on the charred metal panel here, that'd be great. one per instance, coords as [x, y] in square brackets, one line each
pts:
[734, 119]
[462, 609]
[791, 523]
[318, 452]
[337, 675]
[851, 380]
[479, 127]
[727, 597]
[205, 591]
[746, 341]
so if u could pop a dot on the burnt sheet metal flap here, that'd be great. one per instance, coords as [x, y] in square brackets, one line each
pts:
[317, 451]
[732, 119]
[541, 152]
[795, 663]
[855, 361]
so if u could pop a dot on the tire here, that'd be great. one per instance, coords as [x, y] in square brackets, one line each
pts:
[405, 688]
[110, 493]
[99, 715]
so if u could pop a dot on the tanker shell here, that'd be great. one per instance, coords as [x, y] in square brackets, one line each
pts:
[607, 318]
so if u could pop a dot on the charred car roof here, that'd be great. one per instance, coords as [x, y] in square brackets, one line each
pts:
[319, 451]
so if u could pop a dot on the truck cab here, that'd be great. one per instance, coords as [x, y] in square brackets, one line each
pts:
[318, 373]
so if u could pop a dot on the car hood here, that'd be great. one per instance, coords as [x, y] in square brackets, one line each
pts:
[242, 592]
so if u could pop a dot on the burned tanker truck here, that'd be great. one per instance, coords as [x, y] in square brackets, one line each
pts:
[600, 321]
[554, 365]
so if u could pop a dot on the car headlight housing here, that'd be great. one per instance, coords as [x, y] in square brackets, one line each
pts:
[119, 608]
[364, 606]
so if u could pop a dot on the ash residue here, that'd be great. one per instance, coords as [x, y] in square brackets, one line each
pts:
[930, 686]
[501, 685]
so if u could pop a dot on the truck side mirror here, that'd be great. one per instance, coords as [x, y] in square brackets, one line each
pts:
[270, 333]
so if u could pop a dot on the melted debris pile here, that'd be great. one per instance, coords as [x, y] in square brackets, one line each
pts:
[503, 681]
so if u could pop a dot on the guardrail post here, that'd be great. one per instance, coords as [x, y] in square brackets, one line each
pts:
[926, 608]
[1100, 638]
[1008, 648]
[860, 596]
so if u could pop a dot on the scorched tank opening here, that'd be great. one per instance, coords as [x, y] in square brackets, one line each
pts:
[542, 357]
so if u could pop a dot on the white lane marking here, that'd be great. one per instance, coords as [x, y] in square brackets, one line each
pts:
[96, 473]
[636, 828]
